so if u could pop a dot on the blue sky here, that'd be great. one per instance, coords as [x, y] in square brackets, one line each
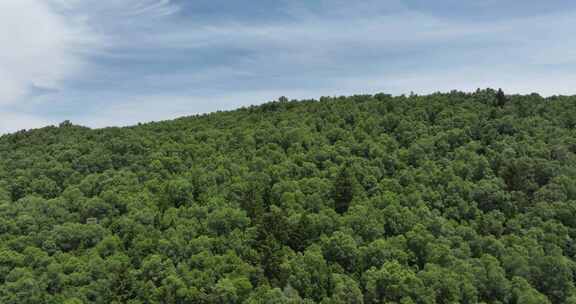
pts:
[119, 62]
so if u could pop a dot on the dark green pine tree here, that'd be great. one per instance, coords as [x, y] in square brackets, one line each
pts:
[501, 98]
[302, 234]
[343, 190]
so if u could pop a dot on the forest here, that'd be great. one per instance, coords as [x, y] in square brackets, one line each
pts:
[457, 197]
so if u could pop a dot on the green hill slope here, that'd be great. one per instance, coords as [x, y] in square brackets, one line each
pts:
[445, 198]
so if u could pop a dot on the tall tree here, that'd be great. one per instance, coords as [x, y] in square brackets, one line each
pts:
[343, 192]
[501, 98]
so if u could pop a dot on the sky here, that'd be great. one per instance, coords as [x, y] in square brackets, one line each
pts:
[119, 62]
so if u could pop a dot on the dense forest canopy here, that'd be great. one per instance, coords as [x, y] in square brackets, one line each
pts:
[445, 198]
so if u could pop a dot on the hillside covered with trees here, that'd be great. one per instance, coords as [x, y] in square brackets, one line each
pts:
[445, 198]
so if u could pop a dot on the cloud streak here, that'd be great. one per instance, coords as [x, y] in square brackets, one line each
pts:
[159, 59]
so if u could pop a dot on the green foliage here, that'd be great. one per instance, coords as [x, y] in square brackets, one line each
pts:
[444, 198]
[343, 190]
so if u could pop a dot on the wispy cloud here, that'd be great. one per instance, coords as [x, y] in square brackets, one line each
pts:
[159, 59]
[402, 51]
[110, 8]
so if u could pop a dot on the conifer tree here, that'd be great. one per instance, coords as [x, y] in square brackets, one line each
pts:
[501, 98]
[343, 190]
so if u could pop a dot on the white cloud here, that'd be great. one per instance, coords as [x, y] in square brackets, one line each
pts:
[43, 43]
[38, 48]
